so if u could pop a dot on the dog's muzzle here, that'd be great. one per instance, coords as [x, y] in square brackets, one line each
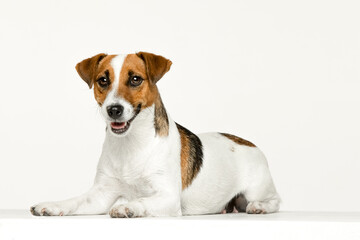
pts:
[115, 112]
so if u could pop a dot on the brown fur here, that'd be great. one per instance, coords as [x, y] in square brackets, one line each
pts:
[92, 69]
[191, 156]
[146, 93]
[156, 66]
[88, 68]
[185, 150]
[238, 140]
[161, 121]
[105, 65]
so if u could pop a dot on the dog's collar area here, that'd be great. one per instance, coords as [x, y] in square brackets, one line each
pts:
[121, 127]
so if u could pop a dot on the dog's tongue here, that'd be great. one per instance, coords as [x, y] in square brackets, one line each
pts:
[118, 125]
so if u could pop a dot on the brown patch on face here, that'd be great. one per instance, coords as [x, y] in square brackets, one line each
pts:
[91, 69]
[238, 140]
[161, 121]
[191, 156]
[146, 93]
[104, 70]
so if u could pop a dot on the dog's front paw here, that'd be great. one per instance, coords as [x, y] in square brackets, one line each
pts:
[47, 209]
[127, 211]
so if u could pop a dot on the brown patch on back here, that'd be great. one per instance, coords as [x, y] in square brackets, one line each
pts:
[184, 163]
[191, 156]
[238, 140]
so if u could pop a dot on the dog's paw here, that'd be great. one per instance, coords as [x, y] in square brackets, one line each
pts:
[255, 208]
[126, 211]
[47, 209]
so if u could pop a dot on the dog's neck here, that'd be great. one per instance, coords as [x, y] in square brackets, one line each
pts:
[150, 123]
[161, 118]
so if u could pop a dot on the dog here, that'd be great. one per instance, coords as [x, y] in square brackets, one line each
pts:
[153, 166]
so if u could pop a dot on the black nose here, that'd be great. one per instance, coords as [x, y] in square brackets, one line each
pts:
[115, 111]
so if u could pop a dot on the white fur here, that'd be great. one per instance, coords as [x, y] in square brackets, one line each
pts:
[140, 173]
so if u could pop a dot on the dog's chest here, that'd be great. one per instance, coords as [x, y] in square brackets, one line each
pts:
[133, 182]
[133, 170]
[139, 163]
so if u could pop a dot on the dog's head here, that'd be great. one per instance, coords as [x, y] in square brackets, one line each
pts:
[123, 85]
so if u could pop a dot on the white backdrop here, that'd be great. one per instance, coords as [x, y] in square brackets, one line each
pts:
[283, 74]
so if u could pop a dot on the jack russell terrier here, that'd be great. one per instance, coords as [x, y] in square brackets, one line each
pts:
[153, 166]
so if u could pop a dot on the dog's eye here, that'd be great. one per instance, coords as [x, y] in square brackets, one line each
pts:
[135, 81]
[103, 82]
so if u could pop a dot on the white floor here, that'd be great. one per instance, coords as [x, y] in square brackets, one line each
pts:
[20, 224]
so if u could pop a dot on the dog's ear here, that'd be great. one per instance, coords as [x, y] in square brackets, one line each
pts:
[87, 68]
[156, 66]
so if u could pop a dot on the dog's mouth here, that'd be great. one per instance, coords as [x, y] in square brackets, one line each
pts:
[119, 127]
[122, 127]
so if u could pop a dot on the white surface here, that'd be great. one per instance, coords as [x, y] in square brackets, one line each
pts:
[19, 224]
[283, 74]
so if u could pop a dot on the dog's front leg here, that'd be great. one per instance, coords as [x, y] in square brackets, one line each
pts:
[97, 200]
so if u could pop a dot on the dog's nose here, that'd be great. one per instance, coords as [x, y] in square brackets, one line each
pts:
[115, 111]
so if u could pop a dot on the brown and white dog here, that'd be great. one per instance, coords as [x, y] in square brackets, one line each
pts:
[152, 166]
